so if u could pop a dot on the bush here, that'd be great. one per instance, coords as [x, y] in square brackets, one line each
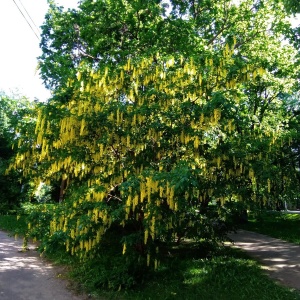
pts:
[199, 234]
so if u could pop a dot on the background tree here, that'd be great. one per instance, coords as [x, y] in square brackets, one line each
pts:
[15, 111]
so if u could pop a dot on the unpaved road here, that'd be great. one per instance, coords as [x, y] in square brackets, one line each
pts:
[25, 276]
[279, 258]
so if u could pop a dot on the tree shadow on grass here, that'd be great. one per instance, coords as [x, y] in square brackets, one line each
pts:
[230, 274]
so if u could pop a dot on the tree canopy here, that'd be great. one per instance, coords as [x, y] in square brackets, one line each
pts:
[157, 114]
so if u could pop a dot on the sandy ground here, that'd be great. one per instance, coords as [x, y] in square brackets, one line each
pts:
[280, 259]
[26, 276]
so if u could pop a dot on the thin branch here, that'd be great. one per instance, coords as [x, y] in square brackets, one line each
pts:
[113, 197]
[88, 55]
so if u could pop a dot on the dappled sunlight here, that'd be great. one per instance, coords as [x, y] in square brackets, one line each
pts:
[25, 275]
[7, 246]
[13, 258]
[18, 262]
[278, 259]
[223, 277]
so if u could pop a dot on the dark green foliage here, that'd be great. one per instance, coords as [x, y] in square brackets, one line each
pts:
[10, 193]
[39, 217]
[109, 269]
[292, 6]
[13, 224]
[13, 112]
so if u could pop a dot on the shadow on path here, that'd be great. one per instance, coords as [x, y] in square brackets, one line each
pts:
[25, 276]
[281, 259]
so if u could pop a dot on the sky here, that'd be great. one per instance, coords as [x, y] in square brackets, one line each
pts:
[20, 47]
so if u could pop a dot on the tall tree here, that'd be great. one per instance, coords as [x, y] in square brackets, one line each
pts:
[155, 115]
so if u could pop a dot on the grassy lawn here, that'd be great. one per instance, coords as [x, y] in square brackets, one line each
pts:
[228, 274]
[276, 224]
[13, 224]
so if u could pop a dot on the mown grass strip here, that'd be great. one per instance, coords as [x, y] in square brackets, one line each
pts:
[13, 224]
[280, 225]
[230, 274]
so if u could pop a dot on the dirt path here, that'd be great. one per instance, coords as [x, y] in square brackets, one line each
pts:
[25, 276]
[280, 259]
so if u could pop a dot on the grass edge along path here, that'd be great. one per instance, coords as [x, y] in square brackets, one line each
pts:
[280, 225]
[279, 258]
[229, 274]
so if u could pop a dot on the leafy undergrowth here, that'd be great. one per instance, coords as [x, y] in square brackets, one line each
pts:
[199, 273]
[280, 225]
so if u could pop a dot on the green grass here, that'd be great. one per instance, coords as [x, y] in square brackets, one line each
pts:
[13, 224]
[276, 224]
[229, 274]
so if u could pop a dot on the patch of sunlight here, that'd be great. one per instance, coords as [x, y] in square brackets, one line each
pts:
[196, 275]
[277, 259]
[15, 263]
[198, 271]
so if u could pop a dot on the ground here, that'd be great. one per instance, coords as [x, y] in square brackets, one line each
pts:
[280, 259]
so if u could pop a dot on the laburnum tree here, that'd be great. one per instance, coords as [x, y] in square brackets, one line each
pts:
[158, 109]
